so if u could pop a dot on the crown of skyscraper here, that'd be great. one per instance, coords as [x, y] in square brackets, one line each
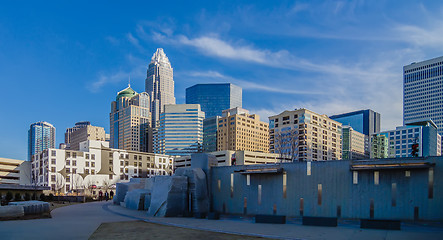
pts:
[160, 58]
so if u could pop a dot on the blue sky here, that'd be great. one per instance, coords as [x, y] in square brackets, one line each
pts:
[64, 62]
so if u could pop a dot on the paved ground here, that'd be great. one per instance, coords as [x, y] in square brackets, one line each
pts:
[81, 220]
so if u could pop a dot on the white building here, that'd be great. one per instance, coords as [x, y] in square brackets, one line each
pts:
[95, 165]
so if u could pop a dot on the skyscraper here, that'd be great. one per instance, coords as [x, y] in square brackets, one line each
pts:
[41, 136]
[423, 92]
[180, 130]
[214, 98]
[355, 145]
[130, 121]
[363, 121]
[159, 83]
[69, 131]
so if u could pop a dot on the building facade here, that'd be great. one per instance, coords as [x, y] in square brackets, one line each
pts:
[130, 121]
[180, 130]
[214, 98]
[398, 143]
[95, 165]
[423, 92]
[238, 130]
[14, 171]
[210, 127]
[86, 133]
[69, 131]
[159, 83]
[41, 136]
[303, 135]
[355, 145]
[363, 121]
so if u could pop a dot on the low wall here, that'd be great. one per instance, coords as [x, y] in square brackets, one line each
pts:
[332, 189]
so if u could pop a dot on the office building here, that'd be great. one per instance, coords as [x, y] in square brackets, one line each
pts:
[423, 92]
[210, 127]
[159, 83]
[239, 130]
[41, 136]
[379, 145]
[14, 171]
[214, 98]
[363, 121]
[231, 158]
[355, 145]
[401, 140]
[69, 131]
[130, 124]
[95, 164]
[180, 130]
[303, 135]
[88, 132]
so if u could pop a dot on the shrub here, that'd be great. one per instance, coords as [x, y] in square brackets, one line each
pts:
[27, 197]
[34, 196]
[8, 196]
[42, 197]
[51, 197]
[17, 197]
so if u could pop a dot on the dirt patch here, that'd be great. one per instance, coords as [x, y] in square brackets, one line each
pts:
[144, 230]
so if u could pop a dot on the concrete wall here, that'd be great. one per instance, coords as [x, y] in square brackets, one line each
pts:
[396, 196]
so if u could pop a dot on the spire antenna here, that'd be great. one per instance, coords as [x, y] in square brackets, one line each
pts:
[129, 81]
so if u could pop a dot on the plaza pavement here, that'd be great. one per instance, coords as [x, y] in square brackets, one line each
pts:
[81, 220]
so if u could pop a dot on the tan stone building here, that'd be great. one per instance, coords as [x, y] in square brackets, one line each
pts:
[239, 130]
[303, 135]
[86, 133]
[14, 171]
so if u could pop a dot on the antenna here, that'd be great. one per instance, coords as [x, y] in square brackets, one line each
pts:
[129, 81]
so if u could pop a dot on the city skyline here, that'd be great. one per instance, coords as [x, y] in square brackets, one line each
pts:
[328, 57]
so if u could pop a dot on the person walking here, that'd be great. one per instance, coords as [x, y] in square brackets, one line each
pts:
[111, 194]
[106, 196]
[100, 195]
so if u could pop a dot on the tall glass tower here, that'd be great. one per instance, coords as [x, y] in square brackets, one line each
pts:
[41, 136]
[214, 98]
[423, 92]
[159, 84]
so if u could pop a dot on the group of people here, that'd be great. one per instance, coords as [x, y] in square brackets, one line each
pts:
[107, 195]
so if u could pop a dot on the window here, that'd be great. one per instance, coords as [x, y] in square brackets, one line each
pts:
[74, 155]
[87, 156]
[110, 154]
[92, 164]
[53, 153]
[93, 156]
[68, 162]
[74, 163]
[53, 177]
[68, 154]
[53, 161]
[53, 169]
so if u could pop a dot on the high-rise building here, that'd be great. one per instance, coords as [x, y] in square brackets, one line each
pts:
[239, 130]
[130, 121]
[303, 135]
[423, 92]
[401, 140]
[180, 130]
[363, 121]
[214, 98]
[210, 127]
[355, 145]
[68, 132]
[86, 133]
[159, 83]
[41, 136]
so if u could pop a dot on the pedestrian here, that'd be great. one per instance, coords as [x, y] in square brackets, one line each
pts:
[111, 194]
[106, 196]
[100, 195]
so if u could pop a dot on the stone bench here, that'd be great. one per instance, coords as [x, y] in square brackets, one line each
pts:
[32, 207]
[11, 211]
[380, 224]
[320, 221]
[263, 218]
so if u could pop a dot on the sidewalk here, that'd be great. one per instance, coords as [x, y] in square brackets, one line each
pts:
[291, 230]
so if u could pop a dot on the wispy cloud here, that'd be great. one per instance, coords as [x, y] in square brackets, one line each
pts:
[248, 85]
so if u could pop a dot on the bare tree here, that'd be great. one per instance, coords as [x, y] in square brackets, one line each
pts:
[89, 185]
[294, 142]
[77, 183]
[59, 184]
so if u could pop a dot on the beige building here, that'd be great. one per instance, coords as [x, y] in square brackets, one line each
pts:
[229, 158]
[303, 135]
[354, 144]
[86, 133]
[239, 130]
[95, 164]
[130, 124]
[379, 146]
[15, 171]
